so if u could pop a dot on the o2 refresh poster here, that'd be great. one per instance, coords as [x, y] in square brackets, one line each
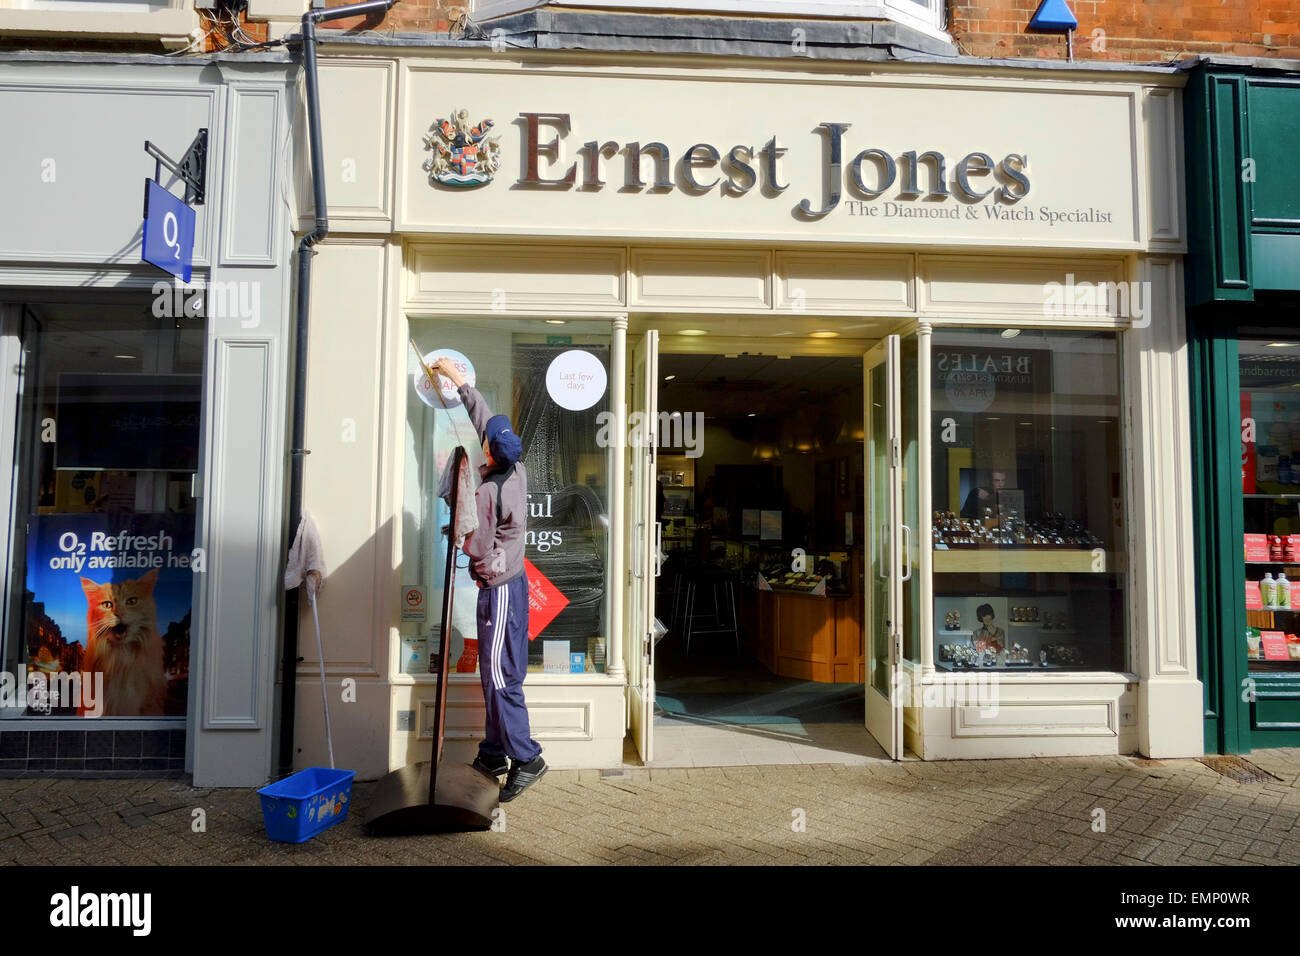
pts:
[109, 598]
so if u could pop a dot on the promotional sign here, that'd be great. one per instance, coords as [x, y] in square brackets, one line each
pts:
[1254, 600]
[1256, 547]
[1274, 645]
[450, 394]
[545, 601]
[576, 380]
[555, 657]
[168, 232]
[111, 595]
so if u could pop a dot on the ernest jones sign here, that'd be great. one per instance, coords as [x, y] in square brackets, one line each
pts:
[618, 155]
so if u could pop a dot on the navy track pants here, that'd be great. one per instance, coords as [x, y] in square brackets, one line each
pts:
[502, 664]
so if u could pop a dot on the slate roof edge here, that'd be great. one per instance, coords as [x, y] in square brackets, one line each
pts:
[563, 42]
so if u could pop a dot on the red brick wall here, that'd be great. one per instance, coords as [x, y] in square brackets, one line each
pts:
[409, 16]
[1135, 31]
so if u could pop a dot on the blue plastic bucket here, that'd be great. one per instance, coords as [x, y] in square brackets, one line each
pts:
[303, 804]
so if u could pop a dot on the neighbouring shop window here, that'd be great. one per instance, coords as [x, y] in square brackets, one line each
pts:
[1029, 562]
[522, 369]
[1269, 373]
[105, 406]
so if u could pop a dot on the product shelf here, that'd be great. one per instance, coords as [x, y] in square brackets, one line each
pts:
[1023, 560]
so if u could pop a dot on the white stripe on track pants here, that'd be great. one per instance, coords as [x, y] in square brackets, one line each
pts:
[502, 664]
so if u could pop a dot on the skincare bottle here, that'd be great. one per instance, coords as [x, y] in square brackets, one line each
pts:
[1283, 591]
[1268, 591]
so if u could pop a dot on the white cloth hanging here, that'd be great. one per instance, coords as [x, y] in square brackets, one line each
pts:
[466, 520]
[306, 564]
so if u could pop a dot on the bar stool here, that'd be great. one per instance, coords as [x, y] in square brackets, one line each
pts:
[720, 618]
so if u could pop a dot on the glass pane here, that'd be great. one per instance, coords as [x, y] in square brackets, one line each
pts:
[99, 591]
[1270, 475]
[878, 570]
[567, 462]
[1027, 489]
[911, 505]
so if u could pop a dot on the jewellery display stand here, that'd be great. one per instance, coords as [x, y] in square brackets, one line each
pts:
[434, 796]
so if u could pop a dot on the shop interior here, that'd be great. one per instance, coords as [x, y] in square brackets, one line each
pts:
[106, 443]
[760, 499]
[1269, 376]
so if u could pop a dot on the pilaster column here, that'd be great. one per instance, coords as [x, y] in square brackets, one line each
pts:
[617, 498]
[1161, 535]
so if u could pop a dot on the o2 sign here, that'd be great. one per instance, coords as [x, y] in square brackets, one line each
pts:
[168, 232]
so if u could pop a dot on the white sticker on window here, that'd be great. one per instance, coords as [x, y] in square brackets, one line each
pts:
[450, 397]
[576, 380]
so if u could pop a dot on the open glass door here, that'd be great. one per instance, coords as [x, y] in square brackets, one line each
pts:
[889, 545]
[643, 542]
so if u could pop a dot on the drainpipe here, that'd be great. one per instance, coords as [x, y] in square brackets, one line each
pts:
[289, 660]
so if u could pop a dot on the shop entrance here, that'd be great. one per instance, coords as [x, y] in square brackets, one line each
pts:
[774, 566]
[102, 403]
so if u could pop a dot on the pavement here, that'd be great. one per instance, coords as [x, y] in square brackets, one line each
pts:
[1084, 810]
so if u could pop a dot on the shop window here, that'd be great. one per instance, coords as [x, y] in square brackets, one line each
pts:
[523, 369]
[104, 405]
[1028, 500]
[1269, 373]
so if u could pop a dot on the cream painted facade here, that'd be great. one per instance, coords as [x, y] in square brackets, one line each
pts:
[754, 271]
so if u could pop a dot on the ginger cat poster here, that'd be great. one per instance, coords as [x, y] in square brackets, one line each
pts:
[108, 602]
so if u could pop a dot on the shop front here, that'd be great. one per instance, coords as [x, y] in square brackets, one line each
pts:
[142, 416]
[1243, 289]
[897, 391]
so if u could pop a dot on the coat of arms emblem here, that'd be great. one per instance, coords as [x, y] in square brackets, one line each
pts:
[463, 156]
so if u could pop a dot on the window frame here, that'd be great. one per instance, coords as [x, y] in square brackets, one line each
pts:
[175, 22]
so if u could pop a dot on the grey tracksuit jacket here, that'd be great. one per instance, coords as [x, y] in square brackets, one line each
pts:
[496, 551]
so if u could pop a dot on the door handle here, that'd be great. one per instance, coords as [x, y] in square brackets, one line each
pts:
[659, 548]
[637, 547]
[882, 553]
[907, 553]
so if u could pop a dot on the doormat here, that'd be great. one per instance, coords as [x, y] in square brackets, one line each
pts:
[1235, 768]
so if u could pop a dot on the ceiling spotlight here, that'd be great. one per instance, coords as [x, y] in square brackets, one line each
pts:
[1281, 345]
[124, 356]
[1010, 333]
[556, 321]
[752, 414]
[824, 334]
[692, 332]
[669, 378]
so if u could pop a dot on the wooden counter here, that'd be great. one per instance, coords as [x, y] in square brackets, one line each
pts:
[805, 636]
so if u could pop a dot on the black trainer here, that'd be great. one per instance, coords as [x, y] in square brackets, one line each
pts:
[521, 777]
[490, 768]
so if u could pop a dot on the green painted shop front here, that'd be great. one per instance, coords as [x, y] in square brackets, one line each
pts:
[1242, 127]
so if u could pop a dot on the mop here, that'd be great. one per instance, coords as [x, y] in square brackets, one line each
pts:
[306, 567]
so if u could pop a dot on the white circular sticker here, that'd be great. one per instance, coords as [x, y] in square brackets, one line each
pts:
[576, 380]
[450, 396]
[970, 391]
